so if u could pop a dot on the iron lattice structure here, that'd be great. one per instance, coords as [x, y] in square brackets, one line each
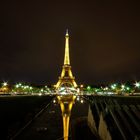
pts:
[66, 78]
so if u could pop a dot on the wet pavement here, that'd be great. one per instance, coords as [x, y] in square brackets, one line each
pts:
[49, 125]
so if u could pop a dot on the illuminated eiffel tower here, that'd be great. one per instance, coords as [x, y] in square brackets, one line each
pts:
[66, 79]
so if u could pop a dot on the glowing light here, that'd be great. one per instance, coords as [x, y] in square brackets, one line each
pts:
[128, 88]
[5, 84]
[106, 88]
[40, 94]
[137, 84]
[81, 86]
[25, 87]
[78, 98]
[31, 88]
[42, 90]
[88, 88]
[114, 86]
[123, 87]
[54, 101]
[17, 86]
[82, 101]
[78, 90]
[96, 90]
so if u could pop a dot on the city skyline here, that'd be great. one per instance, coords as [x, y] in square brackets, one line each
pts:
[104, 41]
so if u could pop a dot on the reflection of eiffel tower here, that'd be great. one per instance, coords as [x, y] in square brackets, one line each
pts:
[66, 77]
[66, 103]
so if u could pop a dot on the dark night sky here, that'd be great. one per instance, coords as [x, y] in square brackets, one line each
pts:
[104, 40]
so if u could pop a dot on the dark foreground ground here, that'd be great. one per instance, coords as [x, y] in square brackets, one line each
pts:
[16, 111]
[49, 124]
[20, 120]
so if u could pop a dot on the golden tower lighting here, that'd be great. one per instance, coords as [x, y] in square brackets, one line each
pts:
[66, 77]
[66, 104]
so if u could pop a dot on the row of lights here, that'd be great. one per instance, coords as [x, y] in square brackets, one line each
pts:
[115, 87]
[122, 87]
[19, 87]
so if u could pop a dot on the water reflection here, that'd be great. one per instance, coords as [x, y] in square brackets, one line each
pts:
[66, 102]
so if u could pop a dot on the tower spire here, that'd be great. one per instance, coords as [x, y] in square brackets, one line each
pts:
[66, 57]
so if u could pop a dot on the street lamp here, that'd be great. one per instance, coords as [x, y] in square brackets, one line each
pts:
[122, 87]
[5, 84]
[137, 84]
[113, 86]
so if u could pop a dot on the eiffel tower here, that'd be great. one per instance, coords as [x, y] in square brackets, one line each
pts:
[66, 79]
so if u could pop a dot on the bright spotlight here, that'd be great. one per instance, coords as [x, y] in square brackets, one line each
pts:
[137, 84]
[82, 101]
[5, 84]
[54, 101]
